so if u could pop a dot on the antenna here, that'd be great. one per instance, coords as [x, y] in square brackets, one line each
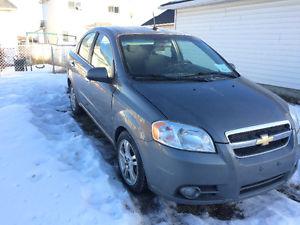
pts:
[154, 24]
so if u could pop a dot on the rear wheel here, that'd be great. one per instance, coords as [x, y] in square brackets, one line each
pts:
[76, 109]
[130, 163]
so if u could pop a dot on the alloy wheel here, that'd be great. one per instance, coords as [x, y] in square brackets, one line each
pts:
[128, 162]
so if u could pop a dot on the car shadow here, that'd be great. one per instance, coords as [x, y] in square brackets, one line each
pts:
[102, 143]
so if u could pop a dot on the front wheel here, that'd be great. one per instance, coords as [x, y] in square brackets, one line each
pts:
[130, 163]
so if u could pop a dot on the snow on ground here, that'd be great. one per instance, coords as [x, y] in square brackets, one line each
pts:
[50, 172]
[53, 172]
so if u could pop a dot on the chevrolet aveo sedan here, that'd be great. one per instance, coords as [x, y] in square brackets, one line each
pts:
[183, 121]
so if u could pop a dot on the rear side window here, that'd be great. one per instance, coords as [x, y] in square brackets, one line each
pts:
[86, 45]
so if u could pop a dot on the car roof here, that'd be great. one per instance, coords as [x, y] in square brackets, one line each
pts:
[116, 31]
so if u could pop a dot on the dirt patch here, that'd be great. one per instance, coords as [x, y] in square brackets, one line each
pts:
[147, 202]
[292, 191]
[221, 212]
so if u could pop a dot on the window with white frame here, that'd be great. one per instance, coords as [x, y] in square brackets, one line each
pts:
[113, 9]
[76, 5]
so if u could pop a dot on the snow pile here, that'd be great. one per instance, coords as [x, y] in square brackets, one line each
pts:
[52, 173]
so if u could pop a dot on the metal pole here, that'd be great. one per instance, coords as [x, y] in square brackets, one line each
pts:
[52, 59]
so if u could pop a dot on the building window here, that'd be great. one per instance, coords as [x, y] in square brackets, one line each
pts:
[113, 9]
[43, 24]
[76, 5]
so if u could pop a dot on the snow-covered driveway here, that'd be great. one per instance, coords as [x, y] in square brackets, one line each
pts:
[53, 171]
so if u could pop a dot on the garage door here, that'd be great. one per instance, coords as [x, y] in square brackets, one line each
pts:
[262, 38]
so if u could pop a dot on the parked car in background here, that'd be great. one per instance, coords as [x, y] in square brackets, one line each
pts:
[184, 122]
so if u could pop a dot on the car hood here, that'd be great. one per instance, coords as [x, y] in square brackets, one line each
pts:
[217, 106]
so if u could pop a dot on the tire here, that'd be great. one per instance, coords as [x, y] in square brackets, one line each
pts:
[134, 163]
[75, 107]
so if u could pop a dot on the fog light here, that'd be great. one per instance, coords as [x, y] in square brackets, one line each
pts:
[190, 192]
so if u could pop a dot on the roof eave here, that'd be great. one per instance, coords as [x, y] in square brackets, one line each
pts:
[159, 24]
[7, 9]
[6, 5]
[189, 4]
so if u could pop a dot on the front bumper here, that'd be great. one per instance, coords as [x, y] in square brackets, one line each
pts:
[222, 177]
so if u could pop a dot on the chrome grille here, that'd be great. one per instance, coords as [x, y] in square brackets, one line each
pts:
[260, 139]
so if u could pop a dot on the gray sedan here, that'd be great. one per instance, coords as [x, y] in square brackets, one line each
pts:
[183, 121]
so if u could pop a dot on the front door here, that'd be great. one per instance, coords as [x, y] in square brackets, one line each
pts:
[100, 94]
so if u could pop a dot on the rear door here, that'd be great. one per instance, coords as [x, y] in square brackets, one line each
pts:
[79, 64]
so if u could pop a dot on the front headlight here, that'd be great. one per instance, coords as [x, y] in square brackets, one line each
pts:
[294, 114]
[182, 136]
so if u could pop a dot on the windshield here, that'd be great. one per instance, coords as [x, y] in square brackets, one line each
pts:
[172, 57]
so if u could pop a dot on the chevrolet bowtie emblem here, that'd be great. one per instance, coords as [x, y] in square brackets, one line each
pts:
[264, 140]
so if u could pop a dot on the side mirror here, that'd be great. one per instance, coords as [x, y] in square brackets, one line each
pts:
[232, 65]
[98, 74]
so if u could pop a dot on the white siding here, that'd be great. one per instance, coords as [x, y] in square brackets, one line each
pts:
[262, 38]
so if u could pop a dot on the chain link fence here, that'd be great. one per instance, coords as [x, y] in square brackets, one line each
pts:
[34, 56]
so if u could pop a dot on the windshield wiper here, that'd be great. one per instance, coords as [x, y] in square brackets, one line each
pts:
[201, 76]
[211, 74]
[171, 78]
[155, 77]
